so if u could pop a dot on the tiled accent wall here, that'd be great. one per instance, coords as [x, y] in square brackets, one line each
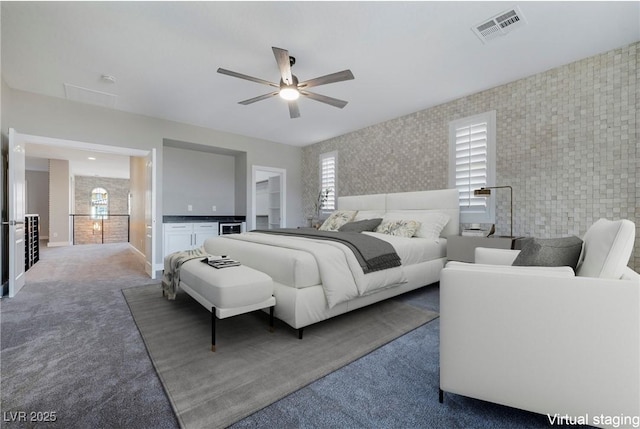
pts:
[115, 227]
[567, 142]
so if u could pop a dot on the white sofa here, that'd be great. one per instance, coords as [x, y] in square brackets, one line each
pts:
[543, 339]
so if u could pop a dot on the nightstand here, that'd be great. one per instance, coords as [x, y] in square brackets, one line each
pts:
[462, 248]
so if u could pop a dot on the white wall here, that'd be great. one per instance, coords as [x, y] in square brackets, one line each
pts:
[45, 116]
[200, 180]
[38, 198]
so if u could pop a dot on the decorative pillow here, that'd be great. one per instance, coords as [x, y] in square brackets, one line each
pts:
[337, 219]
[431, 222]
[550, 252]
[399, 228]
[607, 249]
[361, 225]
[369, 214]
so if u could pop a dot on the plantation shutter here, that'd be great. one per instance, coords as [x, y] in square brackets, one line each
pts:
[328, 173]
[472, 152]
[471, 164]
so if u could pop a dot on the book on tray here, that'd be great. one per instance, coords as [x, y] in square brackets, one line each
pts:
[220, 262]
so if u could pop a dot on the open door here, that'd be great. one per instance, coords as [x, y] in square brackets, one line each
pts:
[275, 198]
[17, 201]
[150, 214]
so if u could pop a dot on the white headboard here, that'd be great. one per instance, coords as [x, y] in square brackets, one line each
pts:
[441, 200]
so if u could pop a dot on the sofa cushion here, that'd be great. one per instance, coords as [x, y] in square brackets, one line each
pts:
[550, 252]
[607, 249]
[361, 225]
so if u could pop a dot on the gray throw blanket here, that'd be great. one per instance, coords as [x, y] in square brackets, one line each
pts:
[372, 253]
[172, 265]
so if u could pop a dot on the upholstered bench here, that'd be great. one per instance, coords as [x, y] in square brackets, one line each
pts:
[227, 292]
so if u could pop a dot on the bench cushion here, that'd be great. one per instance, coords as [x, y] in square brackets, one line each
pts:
[229, 287]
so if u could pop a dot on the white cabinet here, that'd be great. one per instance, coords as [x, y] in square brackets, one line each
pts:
[185, 236]
[202, 231]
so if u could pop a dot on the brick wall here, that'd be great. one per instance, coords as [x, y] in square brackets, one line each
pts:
[114, 229]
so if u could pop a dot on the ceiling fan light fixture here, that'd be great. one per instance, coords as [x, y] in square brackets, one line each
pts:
[289, 93]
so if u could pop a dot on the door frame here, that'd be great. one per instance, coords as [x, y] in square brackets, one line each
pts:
[251, 224]
[95, 147]
[16, 211]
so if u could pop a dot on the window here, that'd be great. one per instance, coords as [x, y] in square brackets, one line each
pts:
[99, 203]
[328, 182]
[472, 146]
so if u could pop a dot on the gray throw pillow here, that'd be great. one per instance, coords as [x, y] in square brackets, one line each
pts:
[550, 252]
[361, 225]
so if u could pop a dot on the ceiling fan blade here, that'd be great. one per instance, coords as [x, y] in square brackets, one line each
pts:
[294, 111]
[324, 99]
[244, 76]
[330, 78]
[284, 64]
[258, 98]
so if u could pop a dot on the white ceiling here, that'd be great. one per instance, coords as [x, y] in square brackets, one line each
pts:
[103, 164]
[406, 56]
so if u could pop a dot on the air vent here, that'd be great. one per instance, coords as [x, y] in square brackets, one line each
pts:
[90, 96]
[499, 25]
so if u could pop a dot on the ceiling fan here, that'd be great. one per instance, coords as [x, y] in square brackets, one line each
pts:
[290, 88]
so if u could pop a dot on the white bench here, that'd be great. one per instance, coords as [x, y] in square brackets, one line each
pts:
[227, 292]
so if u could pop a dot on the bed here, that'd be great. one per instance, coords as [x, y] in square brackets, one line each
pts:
[316, 279]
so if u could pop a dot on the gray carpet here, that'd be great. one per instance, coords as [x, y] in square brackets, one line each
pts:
[252, 367]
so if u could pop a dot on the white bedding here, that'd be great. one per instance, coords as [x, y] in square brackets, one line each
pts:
[341, 275]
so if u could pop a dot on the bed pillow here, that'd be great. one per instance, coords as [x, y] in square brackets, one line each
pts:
[399, 228]
[369, 214]
[361, 225]
[431, 222]
[337, 219]
[550, 252]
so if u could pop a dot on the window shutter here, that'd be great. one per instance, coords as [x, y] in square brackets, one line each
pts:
[472, 154]
[471, 164]
[328, 173]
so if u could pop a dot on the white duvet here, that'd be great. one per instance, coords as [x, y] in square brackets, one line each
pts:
[341, 274]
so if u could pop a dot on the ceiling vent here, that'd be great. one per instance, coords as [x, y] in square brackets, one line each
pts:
[501, 24]
[90, 96]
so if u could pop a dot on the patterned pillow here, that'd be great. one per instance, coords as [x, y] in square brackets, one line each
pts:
[431, 222]
[337, 219]
[399, 228]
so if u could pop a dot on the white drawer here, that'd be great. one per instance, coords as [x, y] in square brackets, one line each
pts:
[206, 227]
[177, 227]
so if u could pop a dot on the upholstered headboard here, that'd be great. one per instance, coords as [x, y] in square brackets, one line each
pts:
[441, 200]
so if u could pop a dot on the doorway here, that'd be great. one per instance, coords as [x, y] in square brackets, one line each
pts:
[268, 195]
[146, 188]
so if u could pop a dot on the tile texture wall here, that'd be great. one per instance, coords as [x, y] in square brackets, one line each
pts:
[567, 142]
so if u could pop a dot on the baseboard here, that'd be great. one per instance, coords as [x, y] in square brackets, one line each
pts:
[58, 244]
[138, 252]
[158, 268]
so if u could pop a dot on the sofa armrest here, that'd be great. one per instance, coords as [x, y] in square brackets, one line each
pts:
[552, 344]
[485, 255]
[500, 269]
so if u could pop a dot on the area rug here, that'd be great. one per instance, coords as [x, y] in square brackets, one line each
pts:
[252, 367]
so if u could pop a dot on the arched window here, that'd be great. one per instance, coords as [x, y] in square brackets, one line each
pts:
[99, 203]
